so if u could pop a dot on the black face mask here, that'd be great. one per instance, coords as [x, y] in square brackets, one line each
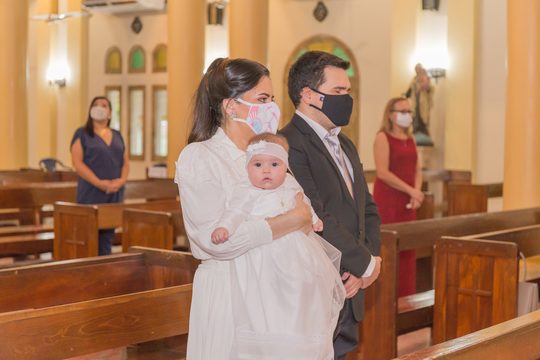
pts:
[338, 108]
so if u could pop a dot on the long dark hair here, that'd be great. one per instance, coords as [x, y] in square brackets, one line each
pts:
[224, 79]
[89, 126]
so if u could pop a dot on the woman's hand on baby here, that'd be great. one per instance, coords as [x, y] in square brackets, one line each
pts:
[302, 212]
[220, 235]
[318, 226]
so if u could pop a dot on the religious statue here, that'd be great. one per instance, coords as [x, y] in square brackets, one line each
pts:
[420, 95]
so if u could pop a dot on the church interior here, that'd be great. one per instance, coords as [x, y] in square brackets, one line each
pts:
[478, 231]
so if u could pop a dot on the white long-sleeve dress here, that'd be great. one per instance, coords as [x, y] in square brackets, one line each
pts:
[287, 295]
[207, 173]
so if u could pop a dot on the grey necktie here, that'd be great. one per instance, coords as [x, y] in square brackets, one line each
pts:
[333, 141]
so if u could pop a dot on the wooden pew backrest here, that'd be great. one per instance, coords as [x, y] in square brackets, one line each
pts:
[76, 226]
[475, 285]
[466, 199]
[424, 233]
[154, 229]
[151, 189]
[513, 339]
[38, 287]
[75, 231]
[93, 323]
[526, 237]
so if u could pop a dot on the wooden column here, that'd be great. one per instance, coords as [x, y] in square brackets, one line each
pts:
[522, 145]
[13, 121]
[248, 29]
[185, 64]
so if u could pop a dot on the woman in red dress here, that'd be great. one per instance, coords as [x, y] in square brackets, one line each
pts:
[397, 189]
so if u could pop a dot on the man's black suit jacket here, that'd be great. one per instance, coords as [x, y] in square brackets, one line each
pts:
[351, 225]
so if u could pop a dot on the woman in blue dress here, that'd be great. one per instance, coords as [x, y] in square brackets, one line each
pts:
[100, 159]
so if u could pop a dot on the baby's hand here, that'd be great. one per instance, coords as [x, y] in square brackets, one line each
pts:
[318, 226]
[220, 235]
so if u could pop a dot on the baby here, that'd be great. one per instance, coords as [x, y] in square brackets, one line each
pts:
[267, 164]
[286, 295]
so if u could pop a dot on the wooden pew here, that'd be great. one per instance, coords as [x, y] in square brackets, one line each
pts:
[512, 339]
[38, 238]
[155, 229]
[481, 273]
[76, 226]
[88, 305]
[470, 198]
[382, 320]
[29, 198]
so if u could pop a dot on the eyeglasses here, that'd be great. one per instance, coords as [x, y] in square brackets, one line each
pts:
[403, 111]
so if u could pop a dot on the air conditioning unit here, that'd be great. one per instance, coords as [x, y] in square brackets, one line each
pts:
[119, 7]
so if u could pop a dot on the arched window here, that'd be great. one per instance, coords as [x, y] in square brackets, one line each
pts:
[159, 58]
[113, 61]
[334, 46]
[137, 60]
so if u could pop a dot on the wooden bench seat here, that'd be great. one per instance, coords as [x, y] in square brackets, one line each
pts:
[415, 311]
[28, 244]
[88, 305]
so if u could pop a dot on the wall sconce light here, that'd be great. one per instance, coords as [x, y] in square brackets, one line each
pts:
[437, 73]
[57, 74]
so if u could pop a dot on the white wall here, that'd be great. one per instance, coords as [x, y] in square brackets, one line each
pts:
[109, 30]
[364, 26]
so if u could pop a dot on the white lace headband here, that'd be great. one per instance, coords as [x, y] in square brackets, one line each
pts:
[267, 148]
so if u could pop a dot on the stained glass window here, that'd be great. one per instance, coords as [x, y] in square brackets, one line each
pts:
[137, 61]
[113, 61]
[159, 57]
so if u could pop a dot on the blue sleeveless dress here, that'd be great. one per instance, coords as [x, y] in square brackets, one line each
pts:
[106, 161]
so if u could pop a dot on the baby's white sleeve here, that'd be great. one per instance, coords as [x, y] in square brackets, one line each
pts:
[237, 209]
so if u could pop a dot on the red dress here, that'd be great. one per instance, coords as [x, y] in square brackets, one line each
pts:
[392, 203]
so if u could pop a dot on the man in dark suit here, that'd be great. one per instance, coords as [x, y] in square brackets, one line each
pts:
[326, 164]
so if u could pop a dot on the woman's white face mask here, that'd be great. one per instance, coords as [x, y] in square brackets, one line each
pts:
[99, 113]
[261, 117]
[404, 120]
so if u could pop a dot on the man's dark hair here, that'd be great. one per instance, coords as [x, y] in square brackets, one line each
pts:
[308, 71]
